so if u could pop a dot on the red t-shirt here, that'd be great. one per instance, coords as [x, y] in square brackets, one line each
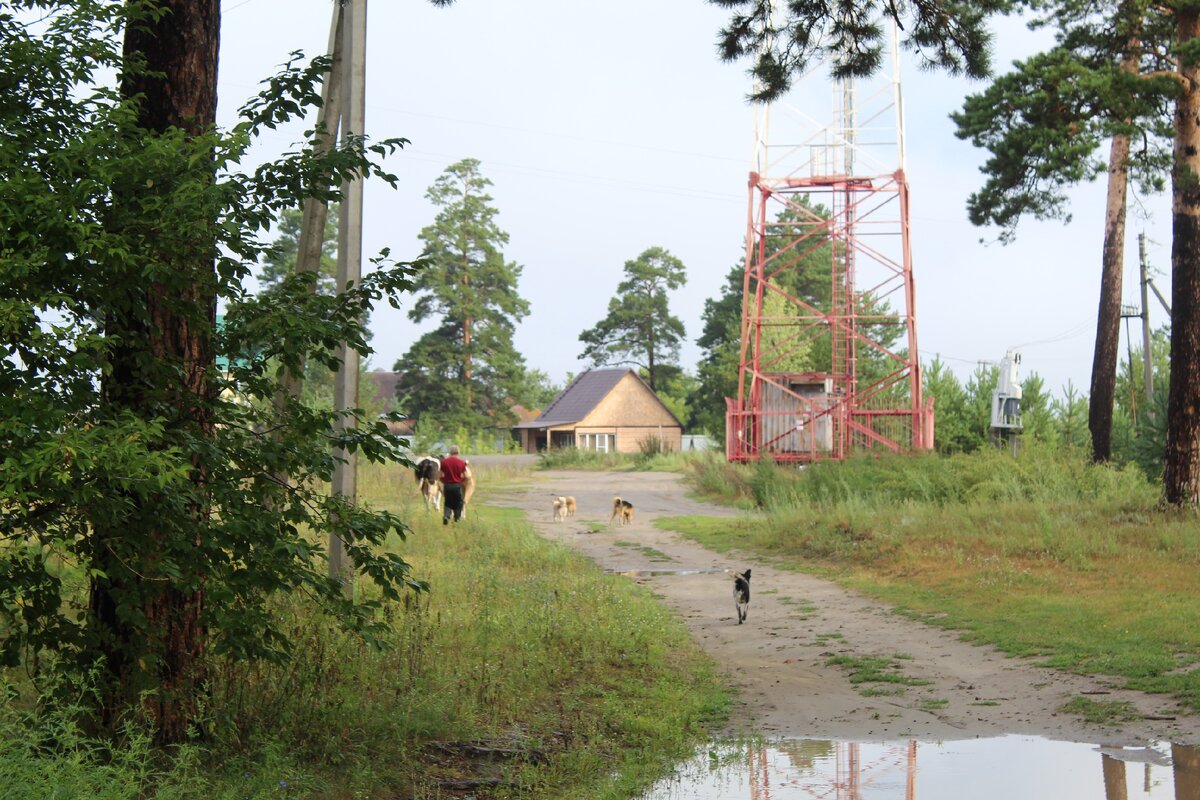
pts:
[453, 469]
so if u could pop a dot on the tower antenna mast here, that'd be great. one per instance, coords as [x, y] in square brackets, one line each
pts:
[829, 362]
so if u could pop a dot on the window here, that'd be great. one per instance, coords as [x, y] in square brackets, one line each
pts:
[600, 442]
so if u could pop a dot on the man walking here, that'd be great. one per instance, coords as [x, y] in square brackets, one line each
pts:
[454, 472]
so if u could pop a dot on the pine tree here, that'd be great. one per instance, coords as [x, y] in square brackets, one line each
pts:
[280, 259]
[639, 328]
[850, 37]
[1044, 125]
[956, 432]
[466, 373]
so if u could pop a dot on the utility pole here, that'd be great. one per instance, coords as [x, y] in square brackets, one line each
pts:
[349, 265]
[315, 212]
[1147, 360]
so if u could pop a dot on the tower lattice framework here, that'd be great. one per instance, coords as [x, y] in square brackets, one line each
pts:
[823, 377]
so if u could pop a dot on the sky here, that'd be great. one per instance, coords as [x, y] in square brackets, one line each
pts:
[609, 128]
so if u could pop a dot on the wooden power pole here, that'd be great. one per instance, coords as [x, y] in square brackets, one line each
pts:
[349, 264]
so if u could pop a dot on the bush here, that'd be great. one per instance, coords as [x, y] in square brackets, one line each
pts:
[574, 458]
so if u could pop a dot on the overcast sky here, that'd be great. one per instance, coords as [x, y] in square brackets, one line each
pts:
[608, 128]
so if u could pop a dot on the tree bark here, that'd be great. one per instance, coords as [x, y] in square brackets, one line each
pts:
[162, 366]
[1181, 474]
[1108, 320]
[1181, 462]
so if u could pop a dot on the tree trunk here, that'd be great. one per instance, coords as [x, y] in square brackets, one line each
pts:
[1108, 320]
[1181, 461]
[650, 354]
[162, 364]
[468, 369]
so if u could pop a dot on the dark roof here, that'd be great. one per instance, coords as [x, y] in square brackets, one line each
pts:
[579, 398]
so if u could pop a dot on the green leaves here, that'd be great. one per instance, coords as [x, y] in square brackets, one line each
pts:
[134, 469]
[640, 328]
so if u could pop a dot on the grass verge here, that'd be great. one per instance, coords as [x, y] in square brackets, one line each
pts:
[523, 672]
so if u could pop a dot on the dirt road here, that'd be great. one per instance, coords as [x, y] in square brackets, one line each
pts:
[779, 659]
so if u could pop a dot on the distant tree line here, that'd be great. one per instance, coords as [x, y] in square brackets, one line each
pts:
[465, 375]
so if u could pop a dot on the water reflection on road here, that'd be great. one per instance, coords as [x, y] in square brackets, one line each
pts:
[1005, 768]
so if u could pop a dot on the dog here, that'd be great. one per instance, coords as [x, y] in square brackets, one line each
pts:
[429, 479]
[622, 512]
[741, 595]
[468, 488]
[570, 506]
[560, 509]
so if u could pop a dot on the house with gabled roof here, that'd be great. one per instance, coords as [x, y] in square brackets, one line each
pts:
[607, 410]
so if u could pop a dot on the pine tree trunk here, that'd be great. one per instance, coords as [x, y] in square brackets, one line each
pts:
[167, 331]
[468, 370]
[650, 354]
[1108, 320]
[1181, 474]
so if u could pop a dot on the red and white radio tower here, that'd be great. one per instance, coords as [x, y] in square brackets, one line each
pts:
[834, 191]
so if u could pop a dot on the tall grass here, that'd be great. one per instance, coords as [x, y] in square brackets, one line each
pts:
[519, 645]
[1043, 554]
[1037, 475]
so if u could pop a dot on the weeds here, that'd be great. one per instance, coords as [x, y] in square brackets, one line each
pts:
[874, 669]
[1100, 712]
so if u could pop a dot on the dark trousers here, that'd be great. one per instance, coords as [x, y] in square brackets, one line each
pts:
[453, 502]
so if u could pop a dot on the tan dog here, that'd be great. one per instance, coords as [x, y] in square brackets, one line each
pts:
[570, 506]
[622, 512]
[560, 509]
[468, 488]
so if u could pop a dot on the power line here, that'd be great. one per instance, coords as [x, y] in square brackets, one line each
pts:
[576, 177]
[1071, 333]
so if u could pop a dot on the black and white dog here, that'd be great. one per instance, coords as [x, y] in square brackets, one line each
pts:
[741, 594]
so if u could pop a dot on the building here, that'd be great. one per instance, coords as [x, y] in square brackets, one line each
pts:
[607, 410]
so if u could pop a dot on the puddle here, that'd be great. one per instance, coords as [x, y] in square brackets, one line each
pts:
[654, 572]
[1004, 768]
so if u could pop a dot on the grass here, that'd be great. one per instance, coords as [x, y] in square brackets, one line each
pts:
[1041, 555]
[874, 669]
[651, 554]
[1100, 712]
[581, 681]
[653, 461]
